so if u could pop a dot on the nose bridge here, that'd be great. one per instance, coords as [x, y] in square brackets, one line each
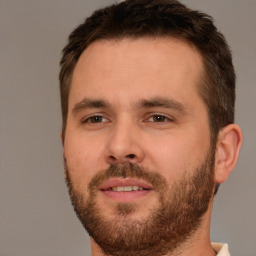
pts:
[123, 143]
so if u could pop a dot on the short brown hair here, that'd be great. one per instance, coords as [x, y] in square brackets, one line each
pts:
[156, 18]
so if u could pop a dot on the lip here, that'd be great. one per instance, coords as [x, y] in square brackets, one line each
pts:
[121, 182]
[125, 196]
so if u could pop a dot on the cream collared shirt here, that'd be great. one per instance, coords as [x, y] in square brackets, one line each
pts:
[221, 249]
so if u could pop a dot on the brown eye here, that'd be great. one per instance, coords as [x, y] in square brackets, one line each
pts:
[95, 119]
[159, 118]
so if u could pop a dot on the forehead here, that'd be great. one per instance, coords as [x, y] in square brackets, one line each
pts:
[147, 66]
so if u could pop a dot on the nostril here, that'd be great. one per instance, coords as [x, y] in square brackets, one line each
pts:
[131, 156]
[122, 159]
[112, 158]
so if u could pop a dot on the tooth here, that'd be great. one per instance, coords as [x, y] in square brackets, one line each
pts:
[128, 188]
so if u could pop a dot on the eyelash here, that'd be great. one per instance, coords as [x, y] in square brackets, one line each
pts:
[162, 117]
[89, 119]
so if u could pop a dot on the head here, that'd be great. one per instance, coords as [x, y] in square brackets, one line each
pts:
[155, 19]
[147, 92]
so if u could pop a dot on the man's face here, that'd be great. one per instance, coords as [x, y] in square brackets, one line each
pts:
[137, 139]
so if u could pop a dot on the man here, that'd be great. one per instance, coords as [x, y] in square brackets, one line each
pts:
[148, 91]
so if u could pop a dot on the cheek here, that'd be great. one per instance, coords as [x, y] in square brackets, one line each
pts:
[84, 156]
[176, 155]
[168, 160]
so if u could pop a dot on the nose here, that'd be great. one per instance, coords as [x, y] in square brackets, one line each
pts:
[124, 144]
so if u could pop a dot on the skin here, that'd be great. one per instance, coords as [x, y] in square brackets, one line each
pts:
[169, 139]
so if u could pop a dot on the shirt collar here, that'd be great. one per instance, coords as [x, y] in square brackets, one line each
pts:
[221, 249]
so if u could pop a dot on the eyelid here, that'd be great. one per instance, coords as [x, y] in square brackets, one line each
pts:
[85, 120]
[151, 115]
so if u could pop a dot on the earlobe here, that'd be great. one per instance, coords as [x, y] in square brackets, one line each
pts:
[227, 151]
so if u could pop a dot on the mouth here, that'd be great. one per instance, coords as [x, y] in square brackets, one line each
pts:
[124, 190]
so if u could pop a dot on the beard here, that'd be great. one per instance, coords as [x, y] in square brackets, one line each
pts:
[169, 224]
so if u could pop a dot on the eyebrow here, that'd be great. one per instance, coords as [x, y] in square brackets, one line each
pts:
[87, 103]
[163, 102]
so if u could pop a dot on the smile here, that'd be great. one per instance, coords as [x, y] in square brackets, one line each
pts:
[126, 188]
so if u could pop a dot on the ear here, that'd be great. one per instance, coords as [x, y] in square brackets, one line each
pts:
[227, 151]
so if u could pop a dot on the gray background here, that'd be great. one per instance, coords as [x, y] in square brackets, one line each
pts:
[36, 218]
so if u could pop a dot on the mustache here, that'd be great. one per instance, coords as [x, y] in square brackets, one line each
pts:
[130, 170]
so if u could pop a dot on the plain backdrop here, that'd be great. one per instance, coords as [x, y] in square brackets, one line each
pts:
[36, 217]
